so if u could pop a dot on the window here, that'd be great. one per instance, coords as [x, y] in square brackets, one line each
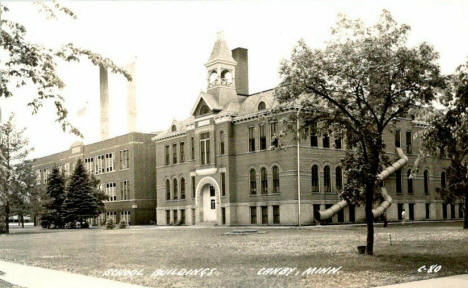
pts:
[397, 138]
[125, 217]
[326, 178]
[168, 189]
[168, 217]
[452, 211]
[313, 135]
[182, 152]
[124, 159]
[339, 178]
[315, 179]
[193, 187]
[460, 210]
[264, 180]
[251, 139]
[337, 143]
[204, 110]
[261, 106]
[192, 148]
[426, 182]
[89, 164]
[174, 216]
[99, 165]
[262, 137]
[205, 148]
[276, 214]
[173, 128]
[443, 183]
[253, 215]
[166, 153]
[398, 181]
[326, 141]
[276, 180]
[223, 184]
[264, 214]
[175, 190]
[411, 211]
[408, 142]
[182, 188]
[340, 216]
[428, 211]
[212, 191]
[274, 137]
[124, 190]
[409, 182]
[110, 191]
[352, 213]
[221, 142]
[109, 162]
[213, 204]
[444, 211]
[182, 216]
[112, 215]
[400, 210]
[174, 153]
[253, 182]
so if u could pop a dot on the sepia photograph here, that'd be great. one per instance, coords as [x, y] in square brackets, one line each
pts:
[233, 143]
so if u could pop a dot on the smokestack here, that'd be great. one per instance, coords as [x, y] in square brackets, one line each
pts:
[104, 98]
[241, 56]
[131, 99]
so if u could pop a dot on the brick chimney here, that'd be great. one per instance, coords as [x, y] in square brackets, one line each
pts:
[241, 56]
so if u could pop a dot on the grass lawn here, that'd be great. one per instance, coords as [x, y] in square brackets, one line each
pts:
[238, 258]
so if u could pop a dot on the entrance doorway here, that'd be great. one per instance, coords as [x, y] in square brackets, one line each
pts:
[209, 203]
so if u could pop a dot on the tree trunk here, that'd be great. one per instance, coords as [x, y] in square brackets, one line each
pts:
[22, 221]
[465, 214]
[7, 217]
[370, 218]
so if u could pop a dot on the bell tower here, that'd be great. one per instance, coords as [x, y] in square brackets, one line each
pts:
[221, 72]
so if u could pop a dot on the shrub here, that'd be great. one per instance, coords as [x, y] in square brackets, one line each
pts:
[123, 225]
[85, 225]
[110, 224]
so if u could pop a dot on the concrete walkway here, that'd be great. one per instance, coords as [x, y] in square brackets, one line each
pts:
[457, 281]
[35, 277]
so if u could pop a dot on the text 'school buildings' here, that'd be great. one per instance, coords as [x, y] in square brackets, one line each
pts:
[225, 165]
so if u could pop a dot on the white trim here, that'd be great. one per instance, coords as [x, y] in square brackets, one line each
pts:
[207, 171]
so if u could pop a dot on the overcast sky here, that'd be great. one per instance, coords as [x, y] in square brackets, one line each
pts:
[172, 41]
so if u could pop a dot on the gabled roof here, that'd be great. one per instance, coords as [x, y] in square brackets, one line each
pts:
[209, 100]
[221, 52]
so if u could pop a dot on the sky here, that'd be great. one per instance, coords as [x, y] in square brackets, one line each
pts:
[172, 40]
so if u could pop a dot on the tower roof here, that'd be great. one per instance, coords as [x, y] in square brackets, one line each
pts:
[220, 52]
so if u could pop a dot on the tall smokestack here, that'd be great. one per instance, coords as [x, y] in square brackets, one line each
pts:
[131, 99]
[241, 55]
[104, 98]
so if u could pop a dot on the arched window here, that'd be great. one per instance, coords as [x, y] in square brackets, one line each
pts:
[443, 180]
[315, 179]
[276, 180]
[226, 77]
[339, 178]
[261, 106]
[175, 190]
[221, 142]
[204, 110]
[426, 182]
[173, 128]
[264, 180]
[182, 188]
[326, 178]
[168, 189]
[409, 182]
[253, 182]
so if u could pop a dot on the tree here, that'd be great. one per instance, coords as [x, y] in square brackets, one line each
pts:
[98, 193]
[27, 64]
[358, 85]
[24, 190]
[54, 210]
[447, 137]
[13, 150]
[81, 202]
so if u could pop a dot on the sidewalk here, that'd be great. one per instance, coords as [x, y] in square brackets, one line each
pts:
[457, 281]
[35, 277]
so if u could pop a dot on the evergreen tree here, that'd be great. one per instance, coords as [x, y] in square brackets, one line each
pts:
[54, 208]
[81, 202]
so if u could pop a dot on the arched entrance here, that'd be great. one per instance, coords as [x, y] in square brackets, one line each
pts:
[207, 201]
